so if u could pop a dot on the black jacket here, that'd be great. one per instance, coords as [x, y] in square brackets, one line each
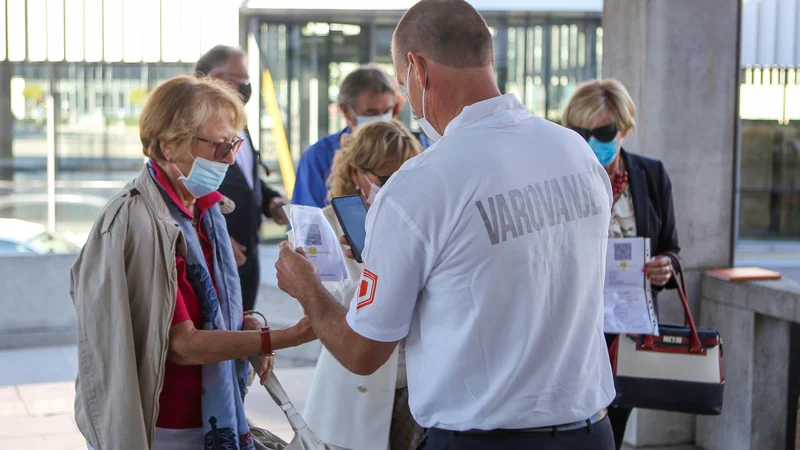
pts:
[245, 221]
[651, 190]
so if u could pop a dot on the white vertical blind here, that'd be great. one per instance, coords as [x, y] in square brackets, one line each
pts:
[787, 13]
[151, 27]
[37, 30]
[767, 26]
[132, 37]
[190, 29]
[2, 30]
[796, 35]
[16, 30]
[171, 30]
[749, 32]
[74, 31]
[112, 30]
[771, 32]
[93, 30]
[55, 30]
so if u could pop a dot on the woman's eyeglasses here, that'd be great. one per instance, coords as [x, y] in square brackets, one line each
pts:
[380, 178]
[602, 134]
[222, 149]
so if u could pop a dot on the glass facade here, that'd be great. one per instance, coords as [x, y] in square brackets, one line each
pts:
[97, 148]
[99, 76]
[94, 61]
[769, 190]
[539, 60]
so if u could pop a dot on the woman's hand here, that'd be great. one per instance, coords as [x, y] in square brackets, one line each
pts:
[238, 252]
[659, 270]
[264, 369]
[276, 211]
[252, 323]
[348, 252]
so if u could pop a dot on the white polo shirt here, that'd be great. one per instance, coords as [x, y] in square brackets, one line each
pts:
[487, 253]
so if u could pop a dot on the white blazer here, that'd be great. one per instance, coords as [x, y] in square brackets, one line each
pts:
[344, 409]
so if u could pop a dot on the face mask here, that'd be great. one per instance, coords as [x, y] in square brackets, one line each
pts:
[426, 126]
[245, 91]
[204, 178]
[363, 120]
[373, 191]
[605, 151]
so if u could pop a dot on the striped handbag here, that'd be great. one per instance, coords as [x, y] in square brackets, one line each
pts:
[680, 370]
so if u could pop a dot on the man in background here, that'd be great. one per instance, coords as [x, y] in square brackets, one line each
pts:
[366, 95]
[243, 184]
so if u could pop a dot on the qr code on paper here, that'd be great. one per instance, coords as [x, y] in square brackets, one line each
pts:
[313, 234]
[622, 252]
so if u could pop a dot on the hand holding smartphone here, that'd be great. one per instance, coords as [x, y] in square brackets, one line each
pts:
[352, 214]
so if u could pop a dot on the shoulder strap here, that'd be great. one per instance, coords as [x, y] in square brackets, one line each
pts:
[688, 319]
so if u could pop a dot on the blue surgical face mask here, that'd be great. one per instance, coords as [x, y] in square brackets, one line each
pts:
[605, 151]
[204, 178]
[363, 120]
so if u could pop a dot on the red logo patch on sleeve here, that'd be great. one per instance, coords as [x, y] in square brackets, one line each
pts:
[366, 291]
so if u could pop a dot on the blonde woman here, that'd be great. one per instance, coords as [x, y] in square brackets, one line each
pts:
[161, 330]
[349, 411]
[603, 113]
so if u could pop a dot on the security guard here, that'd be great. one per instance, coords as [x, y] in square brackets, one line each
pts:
[486, 253]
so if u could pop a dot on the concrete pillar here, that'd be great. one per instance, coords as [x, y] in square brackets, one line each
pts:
[6, 127]
[680, 61]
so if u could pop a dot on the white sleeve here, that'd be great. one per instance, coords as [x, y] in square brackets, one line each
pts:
[396, 265]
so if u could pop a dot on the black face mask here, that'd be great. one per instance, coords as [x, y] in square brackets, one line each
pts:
[245, 91]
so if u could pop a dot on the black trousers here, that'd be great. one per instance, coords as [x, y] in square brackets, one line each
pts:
[597, 437]
[249, 274]
[619, 420]
[618, 416]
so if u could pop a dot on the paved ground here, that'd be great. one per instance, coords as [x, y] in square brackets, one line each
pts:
[37, 393]
[37, 385]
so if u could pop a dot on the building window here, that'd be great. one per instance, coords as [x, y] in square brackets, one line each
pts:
[769, 191]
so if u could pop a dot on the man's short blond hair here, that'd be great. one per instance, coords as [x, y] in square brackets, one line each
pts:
[449, 32]
[599, 98]
[178, 109]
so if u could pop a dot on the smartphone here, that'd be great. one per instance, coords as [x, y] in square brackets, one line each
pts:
[352, 214]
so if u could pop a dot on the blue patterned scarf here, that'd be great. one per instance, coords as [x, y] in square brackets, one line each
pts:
[224, 383]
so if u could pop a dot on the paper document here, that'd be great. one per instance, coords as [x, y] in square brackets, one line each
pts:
[628, 296]
[312, 232]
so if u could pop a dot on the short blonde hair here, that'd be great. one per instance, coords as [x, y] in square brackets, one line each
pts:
[370, 147]
[178, 109]
[601, 97]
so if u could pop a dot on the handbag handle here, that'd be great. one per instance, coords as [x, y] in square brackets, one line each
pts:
[696, 346]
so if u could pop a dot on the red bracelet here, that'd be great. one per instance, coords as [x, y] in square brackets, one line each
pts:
[266, 342]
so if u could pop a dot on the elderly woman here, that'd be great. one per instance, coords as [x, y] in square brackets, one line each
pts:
[349, 411]
[603, 113]
[162, 338]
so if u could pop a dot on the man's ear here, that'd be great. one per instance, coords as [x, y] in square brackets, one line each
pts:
[349, 115]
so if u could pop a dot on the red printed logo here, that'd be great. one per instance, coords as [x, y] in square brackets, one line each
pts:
[366, 291]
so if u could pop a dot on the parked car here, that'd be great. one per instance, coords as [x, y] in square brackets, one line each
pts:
[23, 237]
[75, 213]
